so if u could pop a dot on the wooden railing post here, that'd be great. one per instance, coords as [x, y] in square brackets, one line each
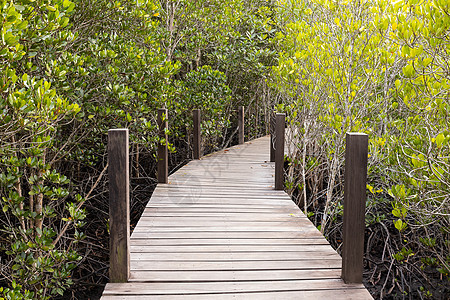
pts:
[197, 133]
[355, 177]
[119, 205]
[279, 151]
[272, 136]
[241, 124]
[162, 155]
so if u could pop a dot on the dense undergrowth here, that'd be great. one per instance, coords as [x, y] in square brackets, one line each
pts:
[378, 67]
[71, 70]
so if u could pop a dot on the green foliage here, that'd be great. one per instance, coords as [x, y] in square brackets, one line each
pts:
[381, 68]
[71, 70]
[15, 293]
[204, 89]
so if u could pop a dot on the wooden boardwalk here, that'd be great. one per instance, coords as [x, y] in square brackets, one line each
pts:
[218, 230]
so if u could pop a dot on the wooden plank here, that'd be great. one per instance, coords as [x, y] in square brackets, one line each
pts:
[149, 241]
[230, 189]
[148, 248]
[254, 218]
[294, 224]
[156, 288]
[233, 275]
[225, 201]
[190, 210]
[299, 233]
[236, 256]
[356, 153]
[119, 204]
[209, 193]
[340, 294]
[155, 216]
[221, 207]
[151, 229]
[299, 264]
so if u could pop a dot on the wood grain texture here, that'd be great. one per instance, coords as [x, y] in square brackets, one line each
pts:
[119, 204]
[157, 288]
[241, 125]
[355, 177]
[197, 138]
[162, 152]
[279, 151]
[218, 229]
[335, 294]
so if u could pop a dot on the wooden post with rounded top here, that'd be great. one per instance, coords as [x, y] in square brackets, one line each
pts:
[119, 205]
[241, 124]
[197, 116]
[355, 176]
[162, 155]
[279, 151]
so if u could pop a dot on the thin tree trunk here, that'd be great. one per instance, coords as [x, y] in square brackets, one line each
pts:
[39, 201]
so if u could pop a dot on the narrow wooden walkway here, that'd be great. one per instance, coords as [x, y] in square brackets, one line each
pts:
[218, 230]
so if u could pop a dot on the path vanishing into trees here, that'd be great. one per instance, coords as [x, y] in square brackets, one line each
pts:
[219, 230]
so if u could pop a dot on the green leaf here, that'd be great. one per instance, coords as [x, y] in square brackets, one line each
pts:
[71, 7]
[66, 3]
[439, 140]
[408, 70]
[400, 225]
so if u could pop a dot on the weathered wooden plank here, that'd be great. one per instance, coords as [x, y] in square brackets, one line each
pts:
[167, 265]
[149, 241]
[151, 229]
[156, 288]
[228, 224]
[233, 275]
[255, 219]
[236, 256]
[299, 233]
[233, 214]
[213, 187]
[148, 248]
[208, 193]
[352, 294]
[225, 201]
[211, 211]
[242, 217]
[299, 264]
[217, 207]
